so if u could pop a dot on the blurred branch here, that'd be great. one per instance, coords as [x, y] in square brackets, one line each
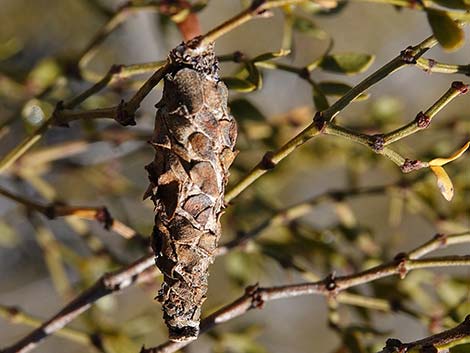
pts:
[16, 316]
[258, 8]
[45, 189]
[52, 257]
[54, 210]
[255, 297]
[189, 26]
[440, 342]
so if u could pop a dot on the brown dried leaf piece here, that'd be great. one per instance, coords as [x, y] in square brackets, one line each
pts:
[194, 142]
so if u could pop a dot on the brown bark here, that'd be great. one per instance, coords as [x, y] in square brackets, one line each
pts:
[194, 141]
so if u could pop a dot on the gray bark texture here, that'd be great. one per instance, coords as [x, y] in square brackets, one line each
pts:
[194, 142]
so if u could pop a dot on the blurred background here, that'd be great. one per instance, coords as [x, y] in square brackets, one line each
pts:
[98, 163]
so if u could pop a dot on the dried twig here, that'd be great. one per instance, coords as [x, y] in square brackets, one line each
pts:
[54, 210]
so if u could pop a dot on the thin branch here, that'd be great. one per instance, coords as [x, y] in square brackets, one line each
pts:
[16, 316]
[440, 342]
[51, 211]
[289, 214]
[433, 66]
[110, 26]
[143, 269]
[415, 5]
[107, 284]
[331, 286]
[423, 120]
[123, 113]
[258, 8]
[271, 159]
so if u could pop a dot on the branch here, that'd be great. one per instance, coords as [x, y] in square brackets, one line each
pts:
[271, 159]
[255, 297]
[144, 269]
[440, 342]
[122, 113]
[258, 8]
[423, 120]
[189, 26]
[432, 66]
[14, 315]
[415, 5]
[107, 284]
[54, 210]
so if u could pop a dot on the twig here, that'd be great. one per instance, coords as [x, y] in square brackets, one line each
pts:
[432, 66]
[108, 283]
[100, 214]
[423, 120]
[16, 316]
[331, 286]
[122, 113]
[258, 8]
[289, 214]
[271, 159]
[415, 5]
[52, 257]
[440, 342]
[144, 269]
[110, 26]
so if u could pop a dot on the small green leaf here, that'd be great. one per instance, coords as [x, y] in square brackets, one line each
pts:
[339, 89]
[242, 109]
[453, 4]
[445, 29]
[307, 26]
[346, 63]
[238, 84]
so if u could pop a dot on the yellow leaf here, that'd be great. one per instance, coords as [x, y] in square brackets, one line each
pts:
[443, 182]
[442, 161]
